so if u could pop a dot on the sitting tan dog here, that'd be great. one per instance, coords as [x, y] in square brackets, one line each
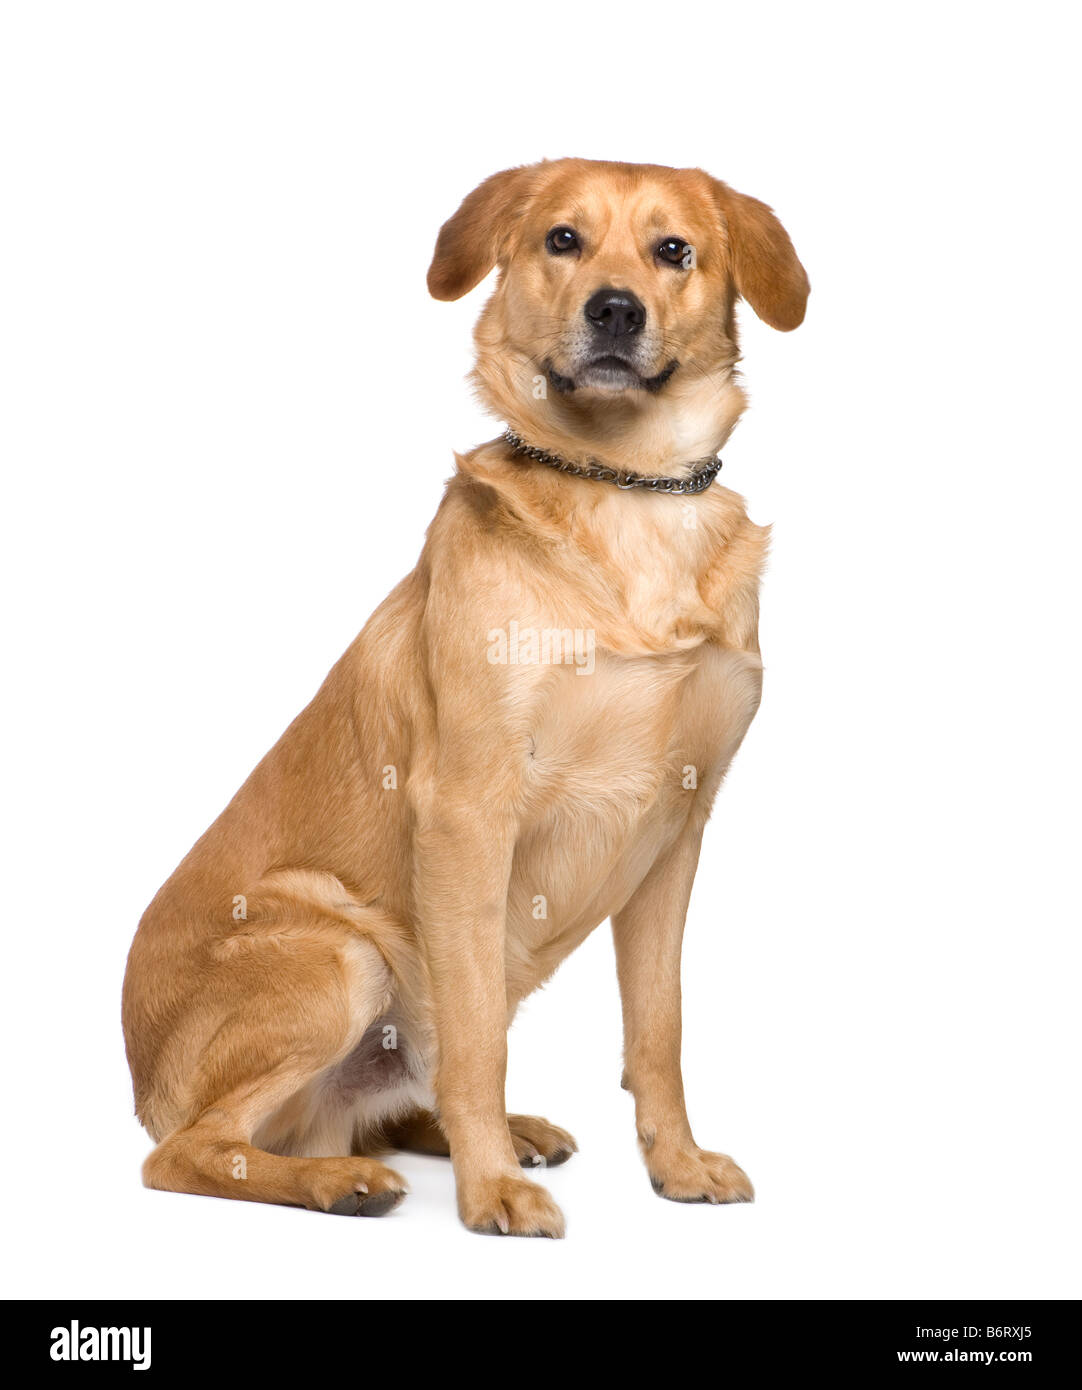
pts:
[525, 740]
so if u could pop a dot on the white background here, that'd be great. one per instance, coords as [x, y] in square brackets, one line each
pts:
[228, 411]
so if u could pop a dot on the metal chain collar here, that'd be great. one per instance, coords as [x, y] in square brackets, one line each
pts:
[702, 475]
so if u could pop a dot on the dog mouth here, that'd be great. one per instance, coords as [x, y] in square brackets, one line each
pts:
[610, 372]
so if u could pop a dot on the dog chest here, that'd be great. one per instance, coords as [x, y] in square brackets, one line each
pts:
[619, 762]
[626, 730]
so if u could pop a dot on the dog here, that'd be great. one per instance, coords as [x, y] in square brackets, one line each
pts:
[524, 741]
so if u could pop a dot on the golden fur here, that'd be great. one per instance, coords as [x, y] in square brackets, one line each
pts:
[332, 969]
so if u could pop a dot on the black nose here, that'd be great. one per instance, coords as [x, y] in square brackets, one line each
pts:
[615, 311]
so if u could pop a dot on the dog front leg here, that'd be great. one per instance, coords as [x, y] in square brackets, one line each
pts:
[648, 934]
[463, 867]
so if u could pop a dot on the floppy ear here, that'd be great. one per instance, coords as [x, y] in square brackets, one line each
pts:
[474, 239]
[765, 266]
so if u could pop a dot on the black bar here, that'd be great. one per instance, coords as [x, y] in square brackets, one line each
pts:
[212, 1338]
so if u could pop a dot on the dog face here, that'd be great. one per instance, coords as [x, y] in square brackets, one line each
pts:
[616, 278]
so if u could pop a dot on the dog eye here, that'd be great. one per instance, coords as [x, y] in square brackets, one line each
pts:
[560, 240]
[673, 250]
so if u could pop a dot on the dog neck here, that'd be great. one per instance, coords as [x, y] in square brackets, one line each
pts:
[658, 434]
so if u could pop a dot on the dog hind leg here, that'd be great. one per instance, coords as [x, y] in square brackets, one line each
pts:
[277, 1010]
[538, 1143]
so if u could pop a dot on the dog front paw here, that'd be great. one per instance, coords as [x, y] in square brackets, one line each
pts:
[696, 1175]
[510, 1205]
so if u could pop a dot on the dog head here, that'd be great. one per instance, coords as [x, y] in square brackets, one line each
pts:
[613, 316]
